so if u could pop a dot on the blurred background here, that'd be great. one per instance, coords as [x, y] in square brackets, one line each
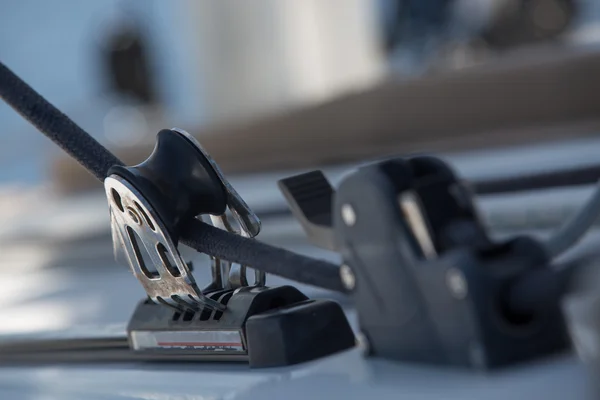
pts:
[271, 88]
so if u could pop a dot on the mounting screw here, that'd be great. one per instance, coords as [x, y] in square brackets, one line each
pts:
[362, 342]
[348, 214]
[348, 279]
[477, 355]
[134, 216]
[457, 283]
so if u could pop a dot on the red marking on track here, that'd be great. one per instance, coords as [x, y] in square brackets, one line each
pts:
[199, 344]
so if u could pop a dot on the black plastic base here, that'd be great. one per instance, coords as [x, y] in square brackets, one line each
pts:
[301, 332]
[266, 327]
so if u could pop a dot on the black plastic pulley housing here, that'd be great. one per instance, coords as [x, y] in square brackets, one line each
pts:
[428, 282]
[177, 180]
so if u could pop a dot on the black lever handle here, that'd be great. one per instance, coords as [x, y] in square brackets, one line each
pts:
[310, 197]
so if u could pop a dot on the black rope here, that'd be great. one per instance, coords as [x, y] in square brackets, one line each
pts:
[55, 125]
[219, 243]
[577, 176]
[205, 238]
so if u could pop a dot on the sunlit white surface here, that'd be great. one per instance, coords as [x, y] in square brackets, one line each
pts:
[28, 293]
[343, 376]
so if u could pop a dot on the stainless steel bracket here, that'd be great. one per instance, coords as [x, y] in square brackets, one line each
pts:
[137, 230]
[227, 275]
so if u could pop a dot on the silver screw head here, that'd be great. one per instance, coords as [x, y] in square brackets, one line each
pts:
[456, 282]
[133, 215]
[348, 214]
[347, 276]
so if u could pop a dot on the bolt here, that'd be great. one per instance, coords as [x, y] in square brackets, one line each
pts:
[456, 283]
[134, 216]
[348, 215]
[348, 279]
[362, 342]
